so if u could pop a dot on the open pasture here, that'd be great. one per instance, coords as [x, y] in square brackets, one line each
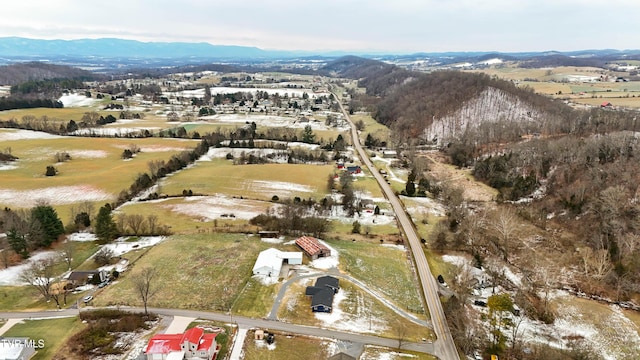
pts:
[203, 271]
[260, 182]
[380, 265]
[199, 213]
[95, 173]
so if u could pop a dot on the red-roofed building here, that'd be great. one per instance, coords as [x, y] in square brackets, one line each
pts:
[313, 247]
[193, 344]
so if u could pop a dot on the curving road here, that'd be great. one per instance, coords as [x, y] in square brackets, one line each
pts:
[444, 345]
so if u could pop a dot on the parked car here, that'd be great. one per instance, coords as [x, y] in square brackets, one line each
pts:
[103, 284]
[87, 299]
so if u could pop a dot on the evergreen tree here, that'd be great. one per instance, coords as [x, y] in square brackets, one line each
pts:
[105, 227]
[308, 136]
[51, 224]
[18, 243]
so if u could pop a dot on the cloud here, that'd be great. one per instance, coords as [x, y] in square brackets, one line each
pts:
[401, 25]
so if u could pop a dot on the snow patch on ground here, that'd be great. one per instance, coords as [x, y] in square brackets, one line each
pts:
[11, 275]
[346, 322]
[57, 195]
[273, 240]
[7, 166]
[393, 246]
[82, 236]
[87, 154]
[121, 245]
[423, 204]
[326, 262]
[12, 134]
[207, 208]
[76, 100]
[266, 280]
[279, 188]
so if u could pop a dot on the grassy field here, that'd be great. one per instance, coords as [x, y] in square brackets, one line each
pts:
[203, 271]
[361, 313]
[252, 181]
[62, 115]
[286, 347]
[372, 127]
[96, 168]
[610, 326]
[54, 333]
[182, 223]
[378, 266]
[255, 299]
[25, 298]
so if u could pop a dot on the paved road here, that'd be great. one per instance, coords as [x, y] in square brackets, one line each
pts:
[444, 346]
[246, 323]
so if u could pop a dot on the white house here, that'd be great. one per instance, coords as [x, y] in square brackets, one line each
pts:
[269, 262]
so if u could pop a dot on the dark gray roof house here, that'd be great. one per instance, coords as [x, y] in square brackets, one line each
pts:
[329, 282]
[322, 293]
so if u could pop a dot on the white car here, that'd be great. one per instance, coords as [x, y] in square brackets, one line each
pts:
[86, 299]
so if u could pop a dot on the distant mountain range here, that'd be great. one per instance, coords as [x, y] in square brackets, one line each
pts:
[112, 52]
[119, 48]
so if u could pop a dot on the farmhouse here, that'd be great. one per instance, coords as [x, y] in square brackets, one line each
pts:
[354, 169]
[79, 278]
[313, 247]
[193, 344]
[269, 262]
[322, 293]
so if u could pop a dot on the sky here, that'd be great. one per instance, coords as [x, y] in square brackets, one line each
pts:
[392, 26]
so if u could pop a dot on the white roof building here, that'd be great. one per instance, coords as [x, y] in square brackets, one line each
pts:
[269, 262]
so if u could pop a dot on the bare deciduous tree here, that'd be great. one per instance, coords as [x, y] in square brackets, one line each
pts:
[40, 275]
[504, 226]
[152, 222]
[66, 252]
[135, 222]
[144, 284]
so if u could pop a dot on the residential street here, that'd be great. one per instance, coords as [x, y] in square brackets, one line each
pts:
[246, 323]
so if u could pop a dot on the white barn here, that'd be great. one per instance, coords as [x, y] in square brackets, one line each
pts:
[269, 262]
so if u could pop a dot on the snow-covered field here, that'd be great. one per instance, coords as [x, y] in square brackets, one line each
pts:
[269, 121]
[207, 208]
[279, 188]
[13, 134]
[57, 195]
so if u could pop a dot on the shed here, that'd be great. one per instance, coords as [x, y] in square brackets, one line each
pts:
[259, 335]
[389, 154]
[313, 247]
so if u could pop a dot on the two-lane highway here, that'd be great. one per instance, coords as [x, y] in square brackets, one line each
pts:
[444, 346]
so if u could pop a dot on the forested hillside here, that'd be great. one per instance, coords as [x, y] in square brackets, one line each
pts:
[572, 176]
[34, 71]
